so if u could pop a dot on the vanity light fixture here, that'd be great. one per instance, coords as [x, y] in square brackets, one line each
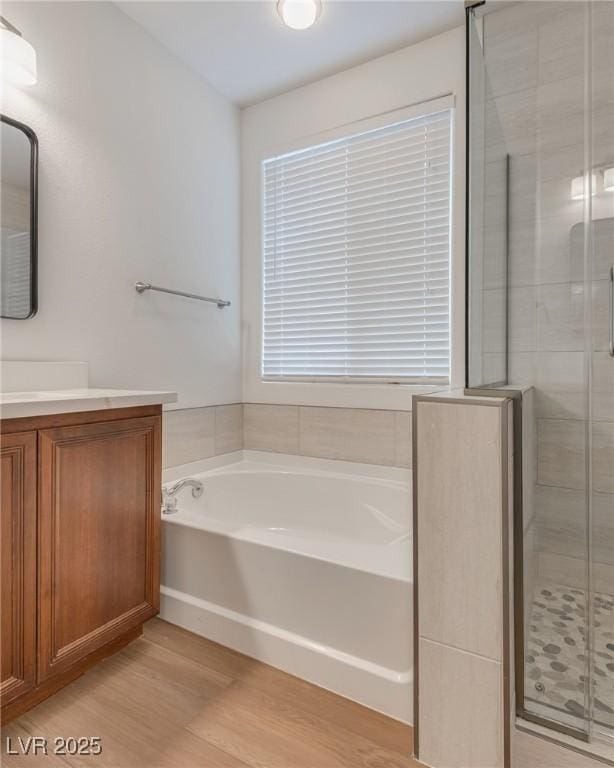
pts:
[608, 180]
[18, 57]
[577, 186]
[299, 14]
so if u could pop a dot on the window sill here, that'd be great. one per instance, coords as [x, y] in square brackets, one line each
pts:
[396, 397]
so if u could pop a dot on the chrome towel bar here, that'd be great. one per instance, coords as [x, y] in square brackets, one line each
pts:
[142, 287]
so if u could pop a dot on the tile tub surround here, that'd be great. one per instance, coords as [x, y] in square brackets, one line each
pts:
[351, 434]
[364, 435]
[462, 538]
[192, 434]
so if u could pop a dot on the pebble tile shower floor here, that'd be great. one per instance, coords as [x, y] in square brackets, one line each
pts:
[555, 663]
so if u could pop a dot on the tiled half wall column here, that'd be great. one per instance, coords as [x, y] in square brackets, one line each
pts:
[462, 513]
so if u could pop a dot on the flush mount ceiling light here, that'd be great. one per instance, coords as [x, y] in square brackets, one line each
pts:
[299, 14]
[17, 56]
[577, 186]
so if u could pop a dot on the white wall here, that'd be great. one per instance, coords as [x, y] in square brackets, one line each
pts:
[139, 180]
[419, 73]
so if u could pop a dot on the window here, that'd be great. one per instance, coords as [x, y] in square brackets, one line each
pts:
[357, 256]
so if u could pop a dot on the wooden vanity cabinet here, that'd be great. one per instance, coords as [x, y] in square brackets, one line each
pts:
[17, 565]
[81, 567]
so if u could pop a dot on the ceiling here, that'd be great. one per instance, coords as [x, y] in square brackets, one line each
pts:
[244, 50]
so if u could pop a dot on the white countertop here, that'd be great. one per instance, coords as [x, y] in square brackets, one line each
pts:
[42, 403]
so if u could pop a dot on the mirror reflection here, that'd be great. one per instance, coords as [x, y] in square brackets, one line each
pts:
[17, 222]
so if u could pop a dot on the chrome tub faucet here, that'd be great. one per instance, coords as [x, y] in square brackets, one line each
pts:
[169, 495]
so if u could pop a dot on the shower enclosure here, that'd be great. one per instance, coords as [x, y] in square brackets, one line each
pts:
[540, 245]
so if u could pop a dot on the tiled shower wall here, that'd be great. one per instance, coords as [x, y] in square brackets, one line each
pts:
[535, 60]
[349, 434]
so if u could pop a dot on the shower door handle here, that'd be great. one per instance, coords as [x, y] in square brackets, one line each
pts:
[611, 314]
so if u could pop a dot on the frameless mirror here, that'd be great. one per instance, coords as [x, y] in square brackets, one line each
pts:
[18, 220]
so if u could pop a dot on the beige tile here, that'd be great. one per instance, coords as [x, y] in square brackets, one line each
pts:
[270, 427]
[603, 387]
[540, 244]
[495, 244]
[554, 568]
[561, 453]
[523, 319]
[603, 50]
[522, 368]
[530, 751]
[561, 389]
[523, 260]
[564, 369]
[601, 313]
[565, 506]
[494, 319]
[187, 435]
[515, 114]
[603, 132]
[560, 111]
[560, 403]
[228, 428]
[402, 439]
[603, 456]
[553, 198]
[561, 42]
[511, 57]
[560, 317]
[495, 219]
[571, 572]
[557, 164]
[460, 512]
[523, 189]
[350, 434]
[539, 252]
[603, 529]
[461, 709]
[602, 239]
[562, 523]
[516, 17]
[493, 367]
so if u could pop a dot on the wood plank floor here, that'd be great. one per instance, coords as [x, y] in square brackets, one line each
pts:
[173, 699]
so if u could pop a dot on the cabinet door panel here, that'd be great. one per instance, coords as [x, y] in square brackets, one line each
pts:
[18, 564]
[99, 533]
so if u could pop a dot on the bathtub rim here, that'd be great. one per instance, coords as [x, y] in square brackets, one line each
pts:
[328, 551]
[375, 471]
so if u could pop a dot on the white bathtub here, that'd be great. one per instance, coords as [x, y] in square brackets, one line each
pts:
[302, 563]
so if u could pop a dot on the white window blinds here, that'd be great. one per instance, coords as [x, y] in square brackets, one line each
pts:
[357, 256]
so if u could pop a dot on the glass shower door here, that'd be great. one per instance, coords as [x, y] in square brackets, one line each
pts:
[599, 279]
[487, 308]
[541, 254]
